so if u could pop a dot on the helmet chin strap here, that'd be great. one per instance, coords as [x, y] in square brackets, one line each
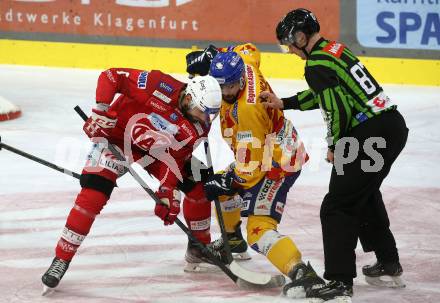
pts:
[303, 49]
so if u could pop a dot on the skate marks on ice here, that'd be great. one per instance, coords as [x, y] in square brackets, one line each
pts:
[128, 256]
[414, 220]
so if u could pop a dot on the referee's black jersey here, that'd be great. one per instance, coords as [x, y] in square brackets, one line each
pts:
[341, 87]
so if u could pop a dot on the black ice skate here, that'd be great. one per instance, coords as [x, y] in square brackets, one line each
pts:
[303, 279]
[334, 291]
[53, 275]
[384, 274]
[237, 244]
[197, 261]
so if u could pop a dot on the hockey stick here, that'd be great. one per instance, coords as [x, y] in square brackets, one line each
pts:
[251, 276]
[238, 280]
[218, 208]
[38, 160]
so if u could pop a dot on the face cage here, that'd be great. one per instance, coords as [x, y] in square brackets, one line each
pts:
[210, 113]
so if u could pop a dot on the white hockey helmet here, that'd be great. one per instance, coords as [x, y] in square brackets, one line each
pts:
[206, 95]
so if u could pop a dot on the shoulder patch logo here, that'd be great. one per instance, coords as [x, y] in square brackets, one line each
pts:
[142, 80]
[334, 48]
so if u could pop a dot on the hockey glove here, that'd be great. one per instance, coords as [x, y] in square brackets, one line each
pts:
[219, 185]
[198, 62]
[101, 123]
[170, 207]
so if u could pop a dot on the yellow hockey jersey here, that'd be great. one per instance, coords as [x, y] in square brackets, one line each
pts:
[264, 142]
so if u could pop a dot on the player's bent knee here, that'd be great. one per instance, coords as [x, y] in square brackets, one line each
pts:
[97, 183]
[263, 237]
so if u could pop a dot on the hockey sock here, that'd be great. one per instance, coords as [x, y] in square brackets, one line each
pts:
[88, 204]
[263, 237]
[231, 207]
[197, 213]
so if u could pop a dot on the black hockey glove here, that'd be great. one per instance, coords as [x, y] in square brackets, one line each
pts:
[198, 62]
[219, 185]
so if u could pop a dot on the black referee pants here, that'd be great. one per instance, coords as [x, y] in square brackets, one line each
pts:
[353, 208]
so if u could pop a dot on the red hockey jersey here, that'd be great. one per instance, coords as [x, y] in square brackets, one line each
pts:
[149, 120]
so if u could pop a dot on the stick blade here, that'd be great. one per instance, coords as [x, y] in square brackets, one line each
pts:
[248, 278]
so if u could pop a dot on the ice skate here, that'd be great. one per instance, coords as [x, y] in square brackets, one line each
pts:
[237, 244]
[197, 261]
[333, 292]
[384, 275]
[53, 275]
[303, 278]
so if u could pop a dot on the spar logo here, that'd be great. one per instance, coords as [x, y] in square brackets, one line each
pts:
[132, 3]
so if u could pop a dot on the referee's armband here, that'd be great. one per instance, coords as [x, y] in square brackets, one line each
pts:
[291, 102]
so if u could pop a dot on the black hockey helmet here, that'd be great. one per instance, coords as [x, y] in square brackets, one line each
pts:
[299, 19]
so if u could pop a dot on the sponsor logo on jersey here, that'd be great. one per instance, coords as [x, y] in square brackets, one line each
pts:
[110, 76]
[247, 195]
[245, 205]
[173, 116]
[274, 190]
[235, 111]
[161, 96]
[160, 123]
[199, 128]
[158, 105]
[232, 204]
[380, 102]
[142, 80]
[251, 93]
[189, 131]
[166, 87]
[279, 208]
[334, 48]
[244, 136]
[269, 190]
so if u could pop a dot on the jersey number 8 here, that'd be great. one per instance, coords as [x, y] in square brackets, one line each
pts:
[361, 77]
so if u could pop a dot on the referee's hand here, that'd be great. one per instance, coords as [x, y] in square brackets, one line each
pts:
[269, 99]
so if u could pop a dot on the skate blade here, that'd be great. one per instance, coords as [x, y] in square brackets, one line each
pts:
[200, 268]
[342, 299]
[275, 282]
[386, 281]
[47, 291]
[297, 292]
[241, 256]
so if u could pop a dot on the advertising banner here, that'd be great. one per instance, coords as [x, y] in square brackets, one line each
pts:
[211, 20]
[404, 24]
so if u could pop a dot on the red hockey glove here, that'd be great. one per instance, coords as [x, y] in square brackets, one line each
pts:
[170, 208]
[100, 123]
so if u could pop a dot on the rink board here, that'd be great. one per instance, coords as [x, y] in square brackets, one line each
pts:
[172, 60]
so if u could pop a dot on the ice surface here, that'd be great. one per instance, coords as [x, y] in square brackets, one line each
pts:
[129, 256]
